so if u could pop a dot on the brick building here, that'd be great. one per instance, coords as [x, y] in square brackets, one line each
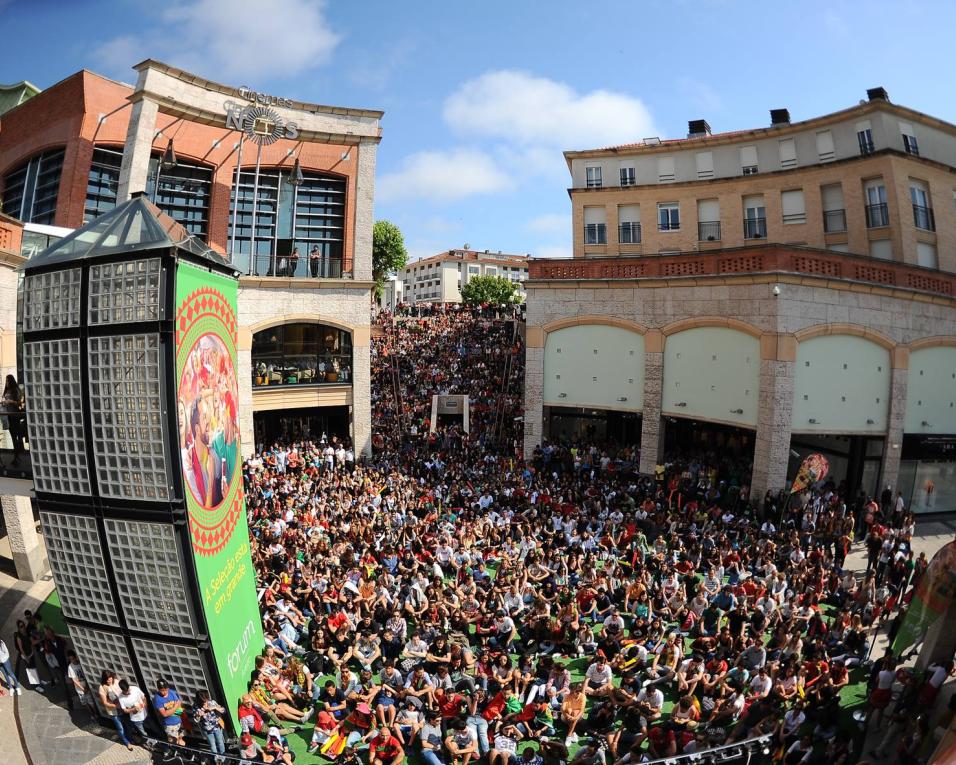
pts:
[770, 292]
[281, 187]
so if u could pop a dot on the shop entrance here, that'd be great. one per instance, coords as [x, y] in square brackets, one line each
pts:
[593, 425]
[854, 460]
[286, 425]
[928, 473]
[726, 449]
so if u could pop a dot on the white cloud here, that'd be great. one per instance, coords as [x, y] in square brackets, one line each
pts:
[231, 39]
[518, 107]
[442, 176]
[550, 223]
[553, 251]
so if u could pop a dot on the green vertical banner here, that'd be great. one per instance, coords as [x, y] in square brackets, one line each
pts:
[935, 592]
[208, 413]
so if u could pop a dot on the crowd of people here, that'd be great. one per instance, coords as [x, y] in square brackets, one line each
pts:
[450, 601]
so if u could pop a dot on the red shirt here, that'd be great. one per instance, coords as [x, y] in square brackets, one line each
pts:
[386, 749]
[450, 705]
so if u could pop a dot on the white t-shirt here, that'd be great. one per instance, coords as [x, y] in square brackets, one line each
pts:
[653, 696]
[597, 676]
[130, 701]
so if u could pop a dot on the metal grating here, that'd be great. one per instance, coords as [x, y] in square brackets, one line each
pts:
[125, 291]
[52, 300]
[57, 443]
[73, 547]
[99, 651]
[182, 666]
[149, 577]
[126, 413]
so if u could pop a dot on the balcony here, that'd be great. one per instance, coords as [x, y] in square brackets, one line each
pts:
[629, 233]
[764, 259]
[834, 221]
[755, 228]
[708, 231]
[284, 267]
[877, 216]
[923, 218]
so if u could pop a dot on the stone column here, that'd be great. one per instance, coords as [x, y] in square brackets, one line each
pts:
[139, 147]
[361, 391]
[651, 427]
[533, 390]
[28, 554]
[774, 414]
[893, 447]
[364, 218]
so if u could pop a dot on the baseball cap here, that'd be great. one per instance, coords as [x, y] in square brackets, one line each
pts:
[274, 732]
[245, 739]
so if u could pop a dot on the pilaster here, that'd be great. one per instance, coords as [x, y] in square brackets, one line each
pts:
[29, 556]
[139, 147]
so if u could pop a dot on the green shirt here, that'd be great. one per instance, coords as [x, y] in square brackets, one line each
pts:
[227, 452]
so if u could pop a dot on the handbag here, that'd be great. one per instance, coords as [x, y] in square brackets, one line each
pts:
[33, 676]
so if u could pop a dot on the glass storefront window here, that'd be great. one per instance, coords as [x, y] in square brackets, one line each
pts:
[301, 354]
[308, 220]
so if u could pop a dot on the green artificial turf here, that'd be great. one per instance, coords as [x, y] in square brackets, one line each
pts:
[51, 614]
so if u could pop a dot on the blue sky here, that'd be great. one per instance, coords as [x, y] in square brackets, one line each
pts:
[481, 98]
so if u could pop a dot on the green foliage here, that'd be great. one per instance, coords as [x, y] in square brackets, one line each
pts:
[388, 252]
[494, 290]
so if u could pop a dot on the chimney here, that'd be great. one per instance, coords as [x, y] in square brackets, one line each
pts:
[877, 94]
[779, 116]
[697, 128]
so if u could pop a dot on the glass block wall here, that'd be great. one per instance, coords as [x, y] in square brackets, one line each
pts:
[149, 577]
[126, 415]
[99, 651]
[76, 557]
[52, 300]
[125, 291]
[181, 665]
[55, 403]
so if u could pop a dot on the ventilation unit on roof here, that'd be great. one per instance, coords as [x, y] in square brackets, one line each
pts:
[877, 94]
[655, 141]
[697, 128]
[779, 116]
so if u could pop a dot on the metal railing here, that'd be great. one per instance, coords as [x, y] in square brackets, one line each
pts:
[755, 228]
[629, 233]
[877, 215]
[668, 225]
[708, 231]
[834, 221]
[283, 266]
[595, 233]
[923, 218]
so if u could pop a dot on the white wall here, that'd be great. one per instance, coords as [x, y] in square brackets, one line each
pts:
[843, 383]
[931, 391]
[713, 371]
[594, 365]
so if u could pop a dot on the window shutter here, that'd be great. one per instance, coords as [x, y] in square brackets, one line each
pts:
[788, 153]
[705, 164]
[825, 148]
[794, 208]
[665, 169]
[832, 197]
[708, 211]
[629, 214]
[748, 156]
[594, 215]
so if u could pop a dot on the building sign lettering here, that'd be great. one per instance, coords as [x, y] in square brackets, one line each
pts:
[263, 99]
[259, 123]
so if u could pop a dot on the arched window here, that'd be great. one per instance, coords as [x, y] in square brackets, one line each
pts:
[30, 192]
[301, 354]
[182, 192]
[103, 181]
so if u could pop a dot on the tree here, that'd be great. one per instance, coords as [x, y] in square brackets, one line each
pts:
[494, 290]
[388, 252]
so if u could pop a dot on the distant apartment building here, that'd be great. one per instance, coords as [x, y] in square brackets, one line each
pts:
[440, 278]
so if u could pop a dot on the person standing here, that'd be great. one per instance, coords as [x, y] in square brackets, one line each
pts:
[315, 261]
[109, 693]
[208, 716]
[77, 678]
[54, 652]
[133, 702]
[293, 262]
[6, 669]
[12, 408]
[26, 652]
[169, 704]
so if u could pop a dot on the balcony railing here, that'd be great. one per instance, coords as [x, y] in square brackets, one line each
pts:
[834, 221]
[304, 370]
[877, 216]
[708, 231]
[285, 267]
[629, 233]
[755, 228]
[595, 233]
[923, 218]
[668, 225]
[751, 259]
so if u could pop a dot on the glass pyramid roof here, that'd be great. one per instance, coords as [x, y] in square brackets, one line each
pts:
[133, 226]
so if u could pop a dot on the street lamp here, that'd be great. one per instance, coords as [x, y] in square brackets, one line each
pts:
[295, 177]
[168, 161]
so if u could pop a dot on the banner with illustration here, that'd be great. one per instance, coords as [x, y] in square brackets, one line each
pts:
[208, 411]
[935, 592]
[812, 470]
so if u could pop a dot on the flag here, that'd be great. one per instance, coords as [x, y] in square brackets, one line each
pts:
[812, 470]
[935, 592]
